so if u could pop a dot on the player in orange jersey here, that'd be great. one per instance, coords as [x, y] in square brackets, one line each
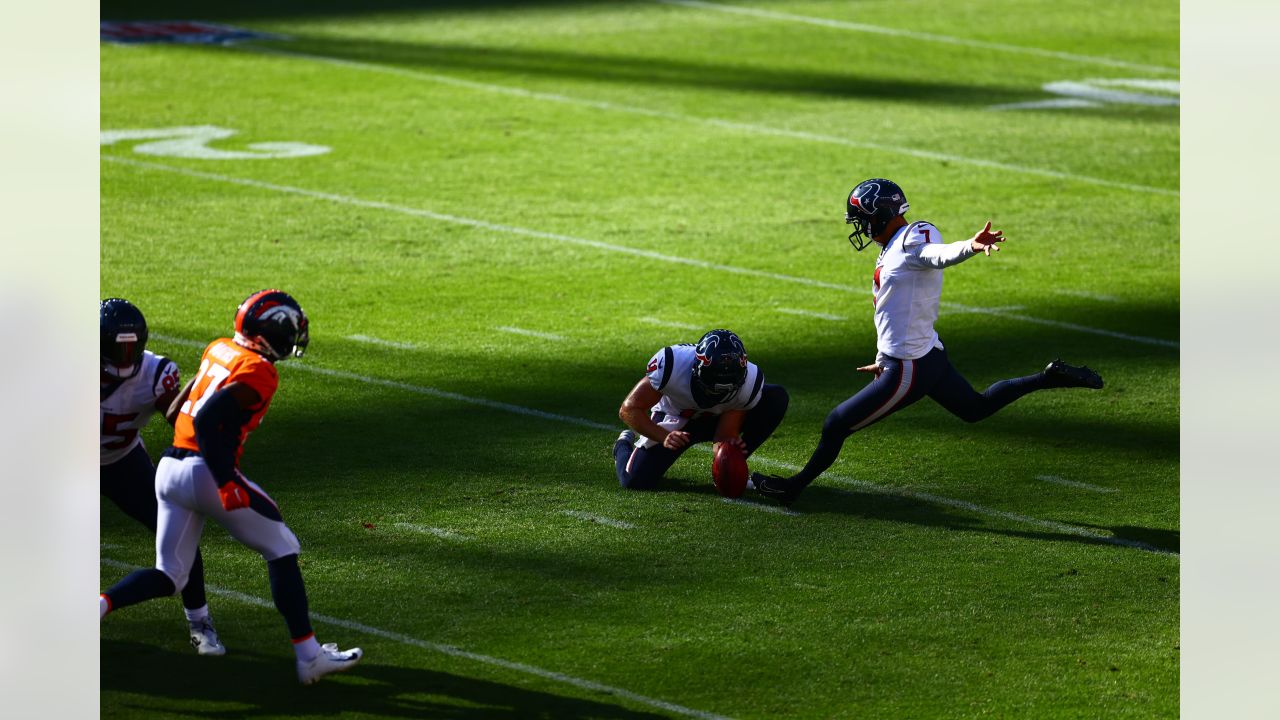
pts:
[199, 477]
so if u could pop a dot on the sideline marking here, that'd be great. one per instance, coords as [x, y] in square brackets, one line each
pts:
[713, 122]
[531, 333]
[600, 519]
[583, 422]
[810, 313]
[569, 239]
[438, 532]
[458, 652]
[668, 323]
[385, 343]
[930, 37]
[1076, 484]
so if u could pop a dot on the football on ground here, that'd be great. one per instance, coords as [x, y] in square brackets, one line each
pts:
[729, 470]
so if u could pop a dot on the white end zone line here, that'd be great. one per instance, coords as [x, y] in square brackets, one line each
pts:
[530, 333]
[928, 37]
[1075, 484]
[457, 652]
[583, 422]
[750, 128]
[607, 247]
[599, 519]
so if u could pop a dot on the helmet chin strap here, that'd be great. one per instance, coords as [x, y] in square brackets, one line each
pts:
[261, 348]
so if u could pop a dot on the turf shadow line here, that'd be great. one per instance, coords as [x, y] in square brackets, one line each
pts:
[456, 652]
[749, 128]
[609, 247]
[915, 35]
[583, 422]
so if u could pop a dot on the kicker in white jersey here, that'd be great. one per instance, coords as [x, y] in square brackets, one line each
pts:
[907, 286]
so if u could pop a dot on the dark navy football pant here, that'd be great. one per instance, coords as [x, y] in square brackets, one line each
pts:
[642, 468]
[130, 483]
[901, 383]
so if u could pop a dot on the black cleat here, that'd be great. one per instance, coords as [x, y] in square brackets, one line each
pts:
[776, 487]
[1062, 375]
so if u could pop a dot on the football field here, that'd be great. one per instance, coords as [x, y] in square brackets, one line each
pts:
[495, 212]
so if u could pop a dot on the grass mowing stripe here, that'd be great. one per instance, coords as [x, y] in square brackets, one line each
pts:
[609, 247]
[749, 128]
[457, 652]
[915, 35]
[860, 484]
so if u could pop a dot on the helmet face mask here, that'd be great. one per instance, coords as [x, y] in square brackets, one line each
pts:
[273, 324]
[721, 367]
[871, 206]
[122, 337]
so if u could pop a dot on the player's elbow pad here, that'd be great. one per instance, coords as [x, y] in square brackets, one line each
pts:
[217, 428]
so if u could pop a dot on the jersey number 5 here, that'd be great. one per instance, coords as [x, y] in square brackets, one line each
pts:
[211, 375]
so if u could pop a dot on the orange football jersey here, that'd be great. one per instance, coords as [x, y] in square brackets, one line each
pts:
[224, 362]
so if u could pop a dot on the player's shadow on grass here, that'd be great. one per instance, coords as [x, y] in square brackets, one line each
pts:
[917, 511]
[249, 684]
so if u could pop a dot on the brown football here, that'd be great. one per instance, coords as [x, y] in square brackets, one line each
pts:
[729, 470]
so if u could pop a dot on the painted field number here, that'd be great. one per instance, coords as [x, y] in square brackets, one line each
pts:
[193, 142]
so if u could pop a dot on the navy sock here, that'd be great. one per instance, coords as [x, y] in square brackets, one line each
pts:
[139, 586]
[193, 597]
[289, 594]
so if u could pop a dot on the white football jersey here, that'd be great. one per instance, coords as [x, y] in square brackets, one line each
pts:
[907, 285]
[671, 373]
[129, 406]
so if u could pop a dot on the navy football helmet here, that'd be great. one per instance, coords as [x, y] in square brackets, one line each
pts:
[273, 324]
[123, 337]
[870, 207]
[721, 365]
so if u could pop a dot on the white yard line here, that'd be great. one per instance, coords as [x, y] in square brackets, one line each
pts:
[1085, 294]
[668, 323]
[438, 532]
[810, 313]
[582, 422]
[775, 509]
[608, 247]
[915, 35]
[950, 308]
[531, 333]
[721, 123]
[600, 519]
[457, 652]
[1075, 484]
[385, 343]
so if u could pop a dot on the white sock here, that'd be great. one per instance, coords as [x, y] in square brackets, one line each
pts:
[306, 649]
[200, 614]
[103, 606]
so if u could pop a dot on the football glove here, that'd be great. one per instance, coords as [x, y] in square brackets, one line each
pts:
[234, 496]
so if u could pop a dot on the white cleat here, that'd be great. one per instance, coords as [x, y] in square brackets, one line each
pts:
[205, 639]
[330, 660]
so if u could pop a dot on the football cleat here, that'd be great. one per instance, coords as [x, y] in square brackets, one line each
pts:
[205, 639]
[1061, 375]
[776, 487]
[330, 660]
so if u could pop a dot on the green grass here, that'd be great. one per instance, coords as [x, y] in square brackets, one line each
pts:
[873, 602]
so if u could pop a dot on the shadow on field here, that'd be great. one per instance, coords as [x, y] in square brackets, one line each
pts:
[249, 684]
[286, 9]
[655, 70]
